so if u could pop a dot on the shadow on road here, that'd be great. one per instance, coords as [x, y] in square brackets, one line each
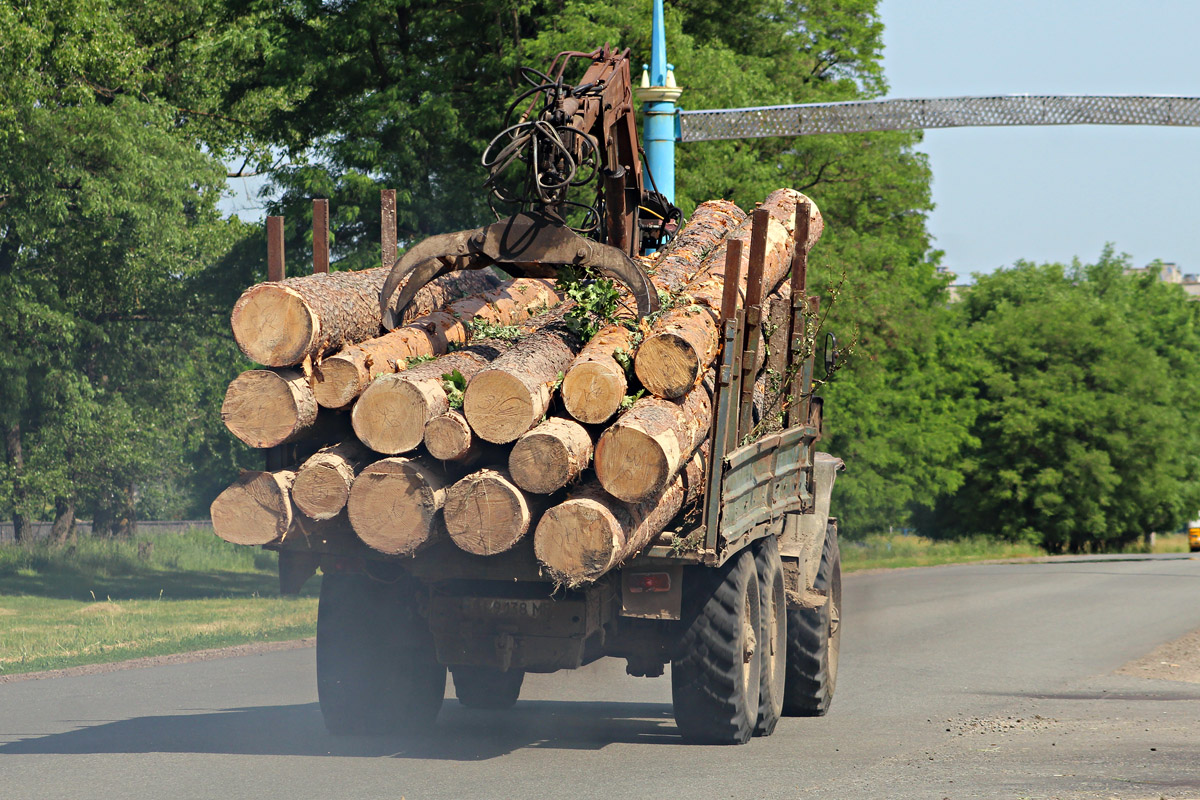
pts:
[297, 730]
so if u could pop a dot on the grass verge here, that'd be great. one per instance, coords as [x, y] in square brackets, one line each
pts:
[101, 600]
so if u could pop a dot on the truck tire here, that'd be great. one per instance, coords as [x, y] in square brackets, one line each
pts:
[715, 677]
[814, 638]
[377, 672]
[773, 638]
[487, 687]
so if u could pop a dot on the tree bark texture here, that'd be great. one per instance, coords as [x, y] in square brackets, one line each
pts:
[395, 505]
[343, 376]
[391, 414]
[255, 509]
[595, 383]
[266, 407]
[550, 456]
[487, 513]
[16, 466]
[639, 454]
[281, 323]
[323, 481]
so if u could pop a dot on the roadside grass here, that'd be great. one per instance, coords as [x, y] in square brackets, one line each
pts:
[98, 600]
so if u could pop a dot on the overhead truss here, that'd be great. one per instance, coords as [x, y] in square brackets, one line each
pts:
[942, 112]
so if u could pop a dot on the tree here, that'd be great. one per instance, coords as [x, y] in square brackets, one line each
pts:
[1084, 441]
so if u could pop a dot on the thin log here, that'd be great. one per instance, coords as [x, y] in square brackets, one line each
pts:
[639, 455]
[448, 437]
[391, 415]
[595, 383]
[550, 456]
[323, 482]
[255, 509]
[281, 323]
[265, 408]
[395, 505]
[344, 376]
[487, 513]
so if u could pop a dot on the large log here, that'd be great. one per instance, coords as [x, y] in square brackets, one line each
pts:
[512, 395]
[595, 383]
[593, 532]
[281, 323]
[550, 456]
[323, 482]
[395, 505]
[391, 414]
[343, 376]
[684, 255]
[638, 455]
[682, 344]
[255, 509]
[486, 513]
[265, 408]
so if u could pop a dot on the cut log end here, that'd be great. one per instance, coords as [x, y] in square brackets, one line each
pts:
[273, 325]
[256, 509]
[320, 491]
[592, 391]
[577, 540]
[395, 505]
[633, 464]
[339, 381]
[448, 436]
[486, 513]
[550, 456]
[264, 409]
[669, 365]
[499, 406]
[390, 415]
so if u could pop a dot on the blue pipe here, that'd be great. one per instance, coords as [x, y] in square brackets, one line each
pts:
[658, 104]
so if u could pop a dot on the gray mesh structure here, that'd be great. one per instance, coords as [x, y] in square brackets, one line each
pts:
[941, 112]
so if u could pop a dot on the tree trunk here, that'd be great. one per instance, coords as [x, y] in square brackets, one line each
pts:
[595, 383]
[509, 397]
[281, 323]
[395, 505]
[323, 482]
[391, 415]
[683, 256]
[343, 377]
[486, 513]
[16, 466]
[64, 519]
[682, 344]
[640, 453]
[265, 408]
[550, 456]
[255, 509]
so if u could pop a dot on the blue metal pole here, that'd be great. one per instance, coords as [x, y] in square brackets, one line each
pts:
[658, 94]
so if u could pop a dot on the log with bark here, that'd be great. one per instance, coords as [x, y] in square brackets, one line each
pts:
[683, 342]
[550, 456]
[487, 513]
[396, 503]
[639, 455]
[281, 323]
[265, 407]
[323, 481]
[255, 509]
[344, 376]
[391, 415]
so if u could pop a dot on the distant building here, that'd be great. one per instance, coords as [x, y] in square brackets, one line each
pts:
[1169, 272]
[955, 289]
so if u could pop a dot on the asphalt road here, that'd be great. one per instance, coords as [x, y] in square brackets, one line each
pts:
[992, 681]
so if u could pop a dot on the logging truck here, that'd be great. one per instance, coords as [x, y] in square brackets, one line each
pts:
[489, 507]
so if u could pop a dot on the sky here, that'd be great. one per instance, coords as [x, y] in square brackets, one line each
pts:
[1052, 193]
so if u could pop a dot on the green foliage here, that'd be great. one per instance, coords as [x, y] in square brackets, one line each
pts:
[482, 329]
[454, 385]
[1084, 434]
[595, 302]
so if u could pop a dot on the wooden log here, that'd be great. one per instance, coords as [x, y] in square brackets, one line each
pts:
[391, 414]
[595, 382]
[683, 342]
[396, 503]
[512, 395]
[638, 455]
[684, 255]
[487, 513]
[343, 377]
[448, 437]
[323, 481]
[255, 509]
[550, 456]
[265, 408]
[281, 323]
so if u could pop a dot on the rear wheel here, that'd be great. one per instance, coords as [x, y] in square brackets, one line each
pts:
[814, 638]
[377, 672]
[773, 637]
[487, 687]
[716, 677]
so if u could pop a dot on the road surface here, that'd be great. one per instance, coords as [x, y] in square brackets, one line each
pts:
[991, 681]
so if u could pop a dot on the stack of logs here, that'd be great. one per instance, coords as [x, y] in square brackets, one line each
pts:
[425, 433]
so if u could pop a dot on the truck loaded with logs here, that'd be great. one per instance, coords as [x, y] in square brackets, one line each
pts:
[559, 437]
